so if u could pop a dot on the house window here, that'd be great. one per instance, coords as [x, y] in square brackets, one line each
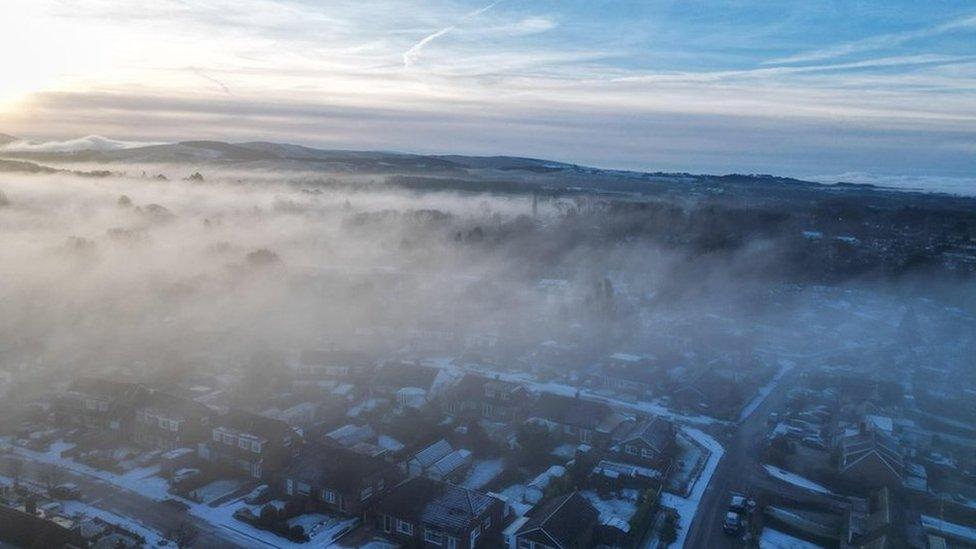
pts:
[256, 470]
[304, 488]
[647, 454]
[364, 495]
[486, 410]
[256, 447]
[244, 444]
[474, 535]
[329, 496]
[632, 450]
[216, 436]
[174, 425]
[91, 405]
[289, 487]
[585, 435]
[433, 536]
[103, 406]
[404, 527]
[452, 543]
[387, 523]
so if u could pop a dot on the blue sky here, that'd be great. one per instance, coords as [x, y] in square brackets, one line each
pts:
[808, 88]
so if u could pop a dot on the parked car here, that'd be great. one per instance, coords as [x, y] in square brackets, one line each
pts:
[741, 504]
[733, 523]
[183, 475]
[814, 442]
[258, 495]
[67, 490]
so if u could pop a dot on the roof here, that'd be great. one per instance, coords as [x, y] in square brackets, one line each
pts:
[350, 434]
[450, 463]
[564, 519]
[405, 374]
[473, 387]
[173, 406]
[439, 504]
[102, 387]
[571, 411]
[658, 433]
[265, 427]
[433, 453]
[335, 467]
[854, 449]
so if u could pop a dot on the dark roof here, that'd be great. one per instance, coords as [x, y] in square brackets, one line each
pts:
[270, 429]
[473, 386]
[571, 411]
[332, 357]
[335, 467]
[405, 374]
[173, 406]
[657, 433]
[439, 504]
[102, 387]
[563, 518]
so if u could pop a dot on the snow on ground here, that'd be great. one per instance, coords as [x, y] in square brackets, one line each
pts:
[223, 517]
[557, 388]
[217, 489]
[774, 539]
[795, 480]
[622, 507]
[483, 472]
[691, 454]
[76, 508]
[143, 481]
[949, 529]
[784, 366]
[688, 507]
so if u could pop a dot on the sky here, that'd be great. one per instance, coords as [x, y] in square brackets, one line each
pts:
[814, 88]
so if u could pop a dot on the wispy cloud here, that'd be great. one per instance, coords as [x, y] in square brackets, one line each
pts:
[878, 42]
[411, 56]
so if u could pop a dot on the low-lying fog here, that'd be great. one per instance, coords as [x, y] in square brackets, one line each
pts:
[134, 275]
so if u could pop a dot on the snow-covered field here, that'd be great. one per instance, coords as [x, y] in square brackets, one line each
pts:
[688, 507]
[795, 480]
[774, 539]
[623, 507]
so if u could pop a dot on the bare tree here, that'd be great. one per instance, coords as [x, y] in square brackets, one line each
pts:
[51, 476]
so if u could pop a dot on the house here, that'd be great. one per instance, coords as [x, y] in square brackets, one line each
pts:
[339, 480]
[577, 420]
[649, 443]
[711, 392]
[423, 512]
[99, 403]
[165, 422]
[871, 457]
[251, 444]
[628, 373]
[488, 399]
[323, 364]
[563, 522]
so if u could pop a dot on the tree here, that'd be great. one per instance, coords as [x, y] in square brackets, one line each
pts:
[185, 535]
[51, 476]
[669, 530]
[124, 201]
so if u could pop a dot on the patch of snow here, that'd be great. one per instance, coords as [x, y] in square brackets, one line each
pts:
[483, 472]
[795, 480]
[78, 509]
[688, 507]
[784, 367]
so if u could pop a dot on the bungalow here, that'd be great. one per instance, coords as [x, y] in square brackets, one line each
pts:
[99, 403]
[337, 479]
[251, 444]
[649, 443]
[488, 399]
[577, 420]
[423, 512]
[165, 422]
[563, 522]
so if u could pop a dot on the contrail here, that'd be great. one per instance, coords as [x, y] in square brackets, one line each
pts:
[204, 75]
[411, 56]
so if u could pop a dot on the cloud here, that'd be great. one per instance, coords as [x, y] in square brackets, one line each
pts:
[875, 43]
[88, 143]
